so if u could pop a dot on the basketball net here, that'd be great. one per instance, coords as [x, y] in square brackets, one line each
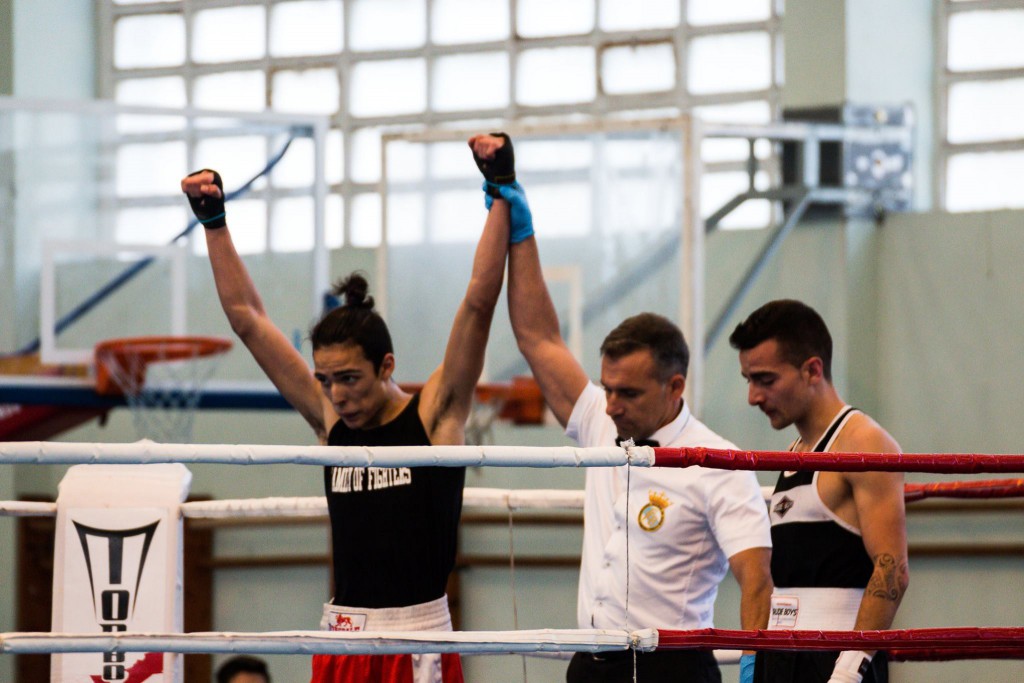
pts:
[480, 424]
[519, 401]
[161, 379]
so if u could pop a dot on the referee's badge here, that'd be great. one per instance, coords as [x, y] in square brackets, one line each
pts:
[652, 515]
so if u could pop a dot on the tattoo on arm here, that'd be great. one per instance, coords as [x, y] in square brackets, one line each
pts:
[889, 579]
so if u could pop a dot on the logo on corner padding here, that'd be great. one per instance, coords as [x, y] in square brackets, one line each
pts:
[115, 592]
[652, 515]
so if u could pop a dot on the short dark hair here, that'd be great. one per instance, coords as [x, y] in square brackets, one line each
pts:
[654, 333]
[798, 329]
[354, 322]
[241, 664]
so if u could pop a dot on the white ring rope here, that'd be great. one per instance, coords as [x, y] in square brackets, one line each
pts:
[150, 452]
[523, 499]
[21, 508]
[315, 507]
[336, 642]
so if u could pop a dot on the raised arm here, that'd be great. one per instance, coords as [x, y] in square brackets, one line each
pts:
[533, 316]
[244, 309]
[448, 394]
[535, 324]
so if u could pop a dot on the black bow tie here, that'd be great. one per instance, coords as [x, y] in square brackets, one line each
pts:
[638, 442]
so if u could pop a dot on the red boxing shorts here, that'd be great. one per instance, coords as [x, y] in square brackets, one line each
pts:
[418, 668]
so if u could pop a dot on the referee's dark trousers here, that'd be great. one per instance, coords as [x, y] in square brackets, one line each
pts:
[664, 666]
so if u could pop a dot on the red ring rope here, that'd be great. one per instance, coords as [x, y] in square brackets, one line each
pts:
[913, 644]
[942, 463]
[949, 654]
[988, 488]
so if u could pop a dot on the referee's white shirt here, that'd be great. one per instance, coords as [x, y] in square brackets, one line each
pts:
[677, 553]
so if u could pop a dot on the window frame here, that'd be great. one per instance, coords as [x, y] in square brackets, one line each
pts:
[945, 79]
[598, 40]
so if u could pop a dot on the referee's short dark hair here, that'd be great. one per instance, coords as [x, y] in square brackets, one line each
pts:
[241, 664]
[798, 329]
[654, 333]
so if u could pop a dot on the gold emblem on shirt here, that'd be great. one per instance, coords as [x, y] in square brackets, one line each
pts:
[652, 515]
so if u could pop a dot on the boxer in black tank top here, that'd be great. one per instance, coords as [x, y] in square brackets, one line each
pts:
[394, 529]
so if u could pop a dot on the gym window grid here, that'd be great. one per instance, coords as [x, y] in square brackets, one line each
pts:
[979, 91]
[677, 30]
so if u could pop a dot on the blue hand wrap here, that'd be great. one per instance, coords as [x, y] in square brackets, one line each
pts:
[747, 668]
[521, 217]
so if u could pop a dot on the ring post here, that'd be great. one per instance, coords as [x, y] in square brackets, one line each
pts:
[118, 567]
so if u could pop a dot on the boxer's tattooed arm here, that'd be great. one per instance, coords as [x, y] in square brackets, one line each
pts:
[889, 579]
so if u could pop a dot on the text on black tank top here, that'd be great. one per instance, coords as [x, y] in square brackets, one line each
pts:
[810, 549]
[394, 529]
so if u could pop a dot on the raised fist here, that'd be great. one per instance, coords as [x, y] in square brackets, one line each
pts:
[495, 158]
[205, 192]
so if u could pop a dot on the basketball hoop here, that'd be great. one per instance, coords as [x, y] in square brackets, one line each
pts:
[161, 379]
[519, 401]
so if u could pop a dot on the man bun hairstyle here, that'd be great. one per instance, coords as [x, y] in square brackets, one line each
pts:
[654, 333]
[353, 290]
[354, 322]
[797, 328]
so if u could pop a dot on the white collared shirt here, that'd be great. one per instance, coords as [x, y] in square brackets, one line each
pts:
[683, 525]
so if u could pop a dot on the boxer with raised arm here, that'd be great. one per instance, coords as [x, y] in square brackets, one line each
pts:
[394, 530]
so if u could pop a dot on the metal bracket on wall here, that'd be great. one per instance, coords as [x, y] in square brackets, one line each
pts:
[856, 159]
[859, 161]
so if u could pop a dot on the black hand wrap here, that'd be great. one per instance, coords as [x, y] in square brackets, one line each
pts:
[500, 170]
[209, 210]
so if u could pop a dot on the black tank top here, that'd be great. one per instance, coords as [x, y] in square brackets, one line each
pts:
[810, 549]
[394, 530]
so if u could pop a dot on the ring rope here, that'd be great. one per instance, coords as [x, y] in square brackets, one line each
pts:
[941, 463]
[931, 644]
[335, 642]
[987, 488]
[953, 654]
[315, 507]
[149, 452]
[913, 644]
[926, 644]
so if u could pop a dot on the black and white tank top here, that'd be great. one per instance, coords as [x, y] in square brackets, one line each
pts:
[811, 546]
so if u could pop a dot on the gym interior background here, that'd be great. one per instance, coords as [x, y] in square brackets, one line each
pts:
[924, 305]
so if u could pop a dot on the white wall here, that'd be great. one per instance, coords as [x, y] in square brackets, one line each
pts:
[950, 330]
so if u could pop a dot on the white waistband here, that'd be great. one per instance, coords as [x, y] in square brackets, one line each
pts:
[427, 616]
[828, 609]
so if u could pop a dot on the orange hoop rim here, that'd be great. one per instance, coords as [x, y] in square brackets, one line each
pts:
[151, 349]
[519, 400]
